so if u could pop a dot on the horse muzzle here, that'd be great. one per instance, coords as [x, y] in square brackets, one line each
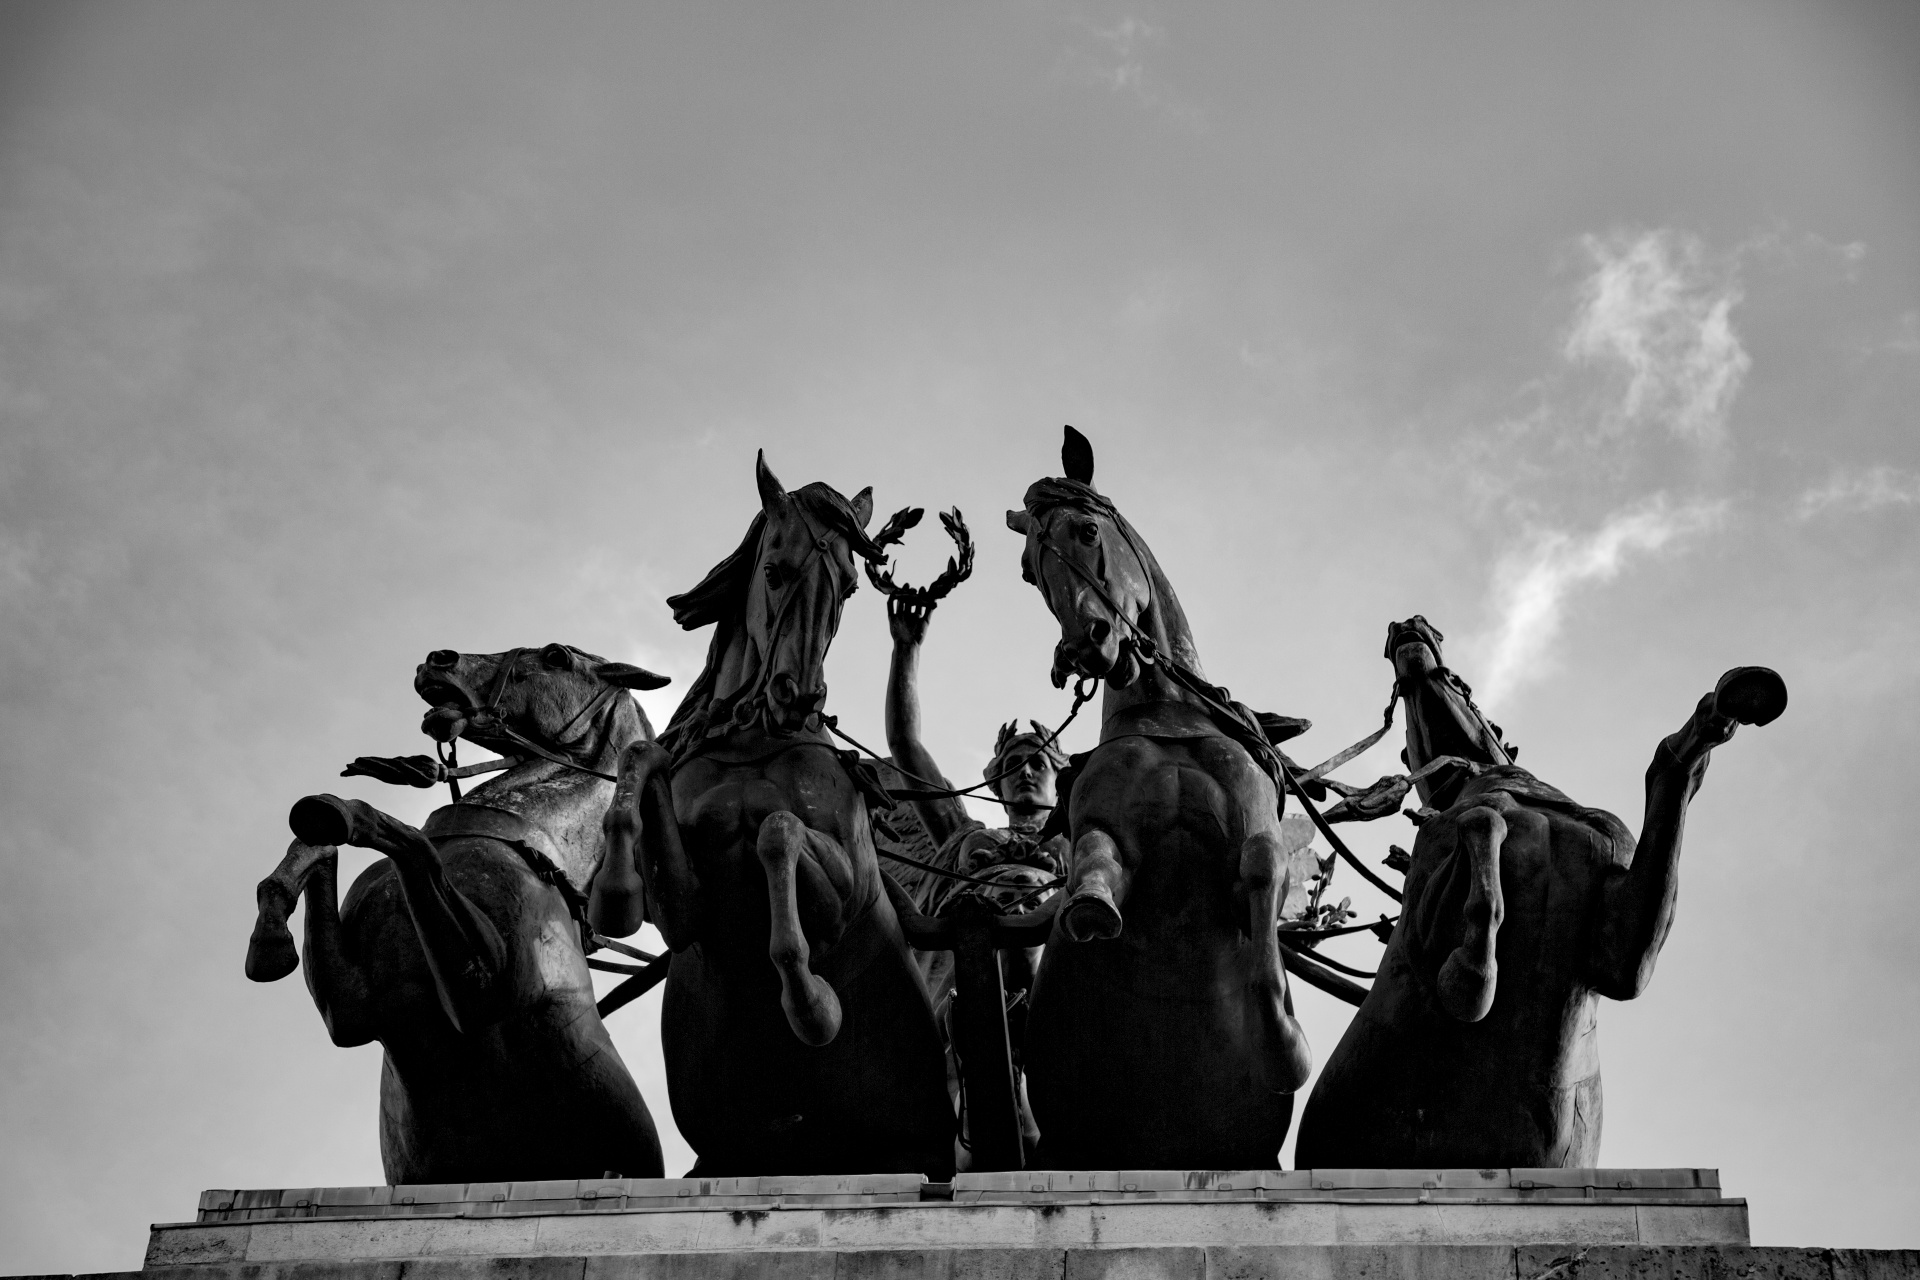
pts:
[1112, 661]
[444, 724]
[789, 707]
[438, 685]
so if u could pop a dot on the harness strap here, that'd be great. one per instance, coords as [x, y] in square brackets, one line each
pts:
[1249, 736]
[1083, 690]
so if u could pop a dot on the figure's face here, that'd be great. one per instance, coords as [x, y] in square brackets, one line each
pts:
[1031, 782]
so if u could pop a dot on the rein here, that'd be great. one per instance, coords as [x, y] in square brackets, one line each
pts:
[508, 671]
[1083, 691]
[1147, 651]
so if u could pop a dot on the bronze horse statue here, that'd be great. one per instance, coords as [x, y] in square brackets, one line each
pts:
[461, 951]
[1477, 1046]
[1162, 1031]
[797, 1034]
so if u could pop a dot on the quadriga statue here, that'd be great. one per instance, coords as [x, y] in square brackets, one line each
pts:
[461, 951]
[797, 1034]
[1476, 1047]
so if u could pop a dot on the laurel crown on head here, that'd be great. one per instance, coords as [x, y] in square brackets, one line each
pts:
[1039, 741]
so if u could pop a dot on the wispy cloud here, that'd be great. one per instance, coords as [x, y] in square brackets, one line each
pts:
[1658, 309]
[1654, 314]
[1906, 336]
[1115, 58]
[1532, 584]
[1853, 490]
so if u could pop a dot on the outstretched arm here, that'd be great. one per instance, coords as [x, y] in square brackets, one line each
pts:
[908, 624]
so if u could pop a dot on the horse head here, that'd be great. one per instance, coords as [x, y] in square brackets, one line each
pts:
[1097, 578]
[1442, 720]
[562, 700]
[777, 600]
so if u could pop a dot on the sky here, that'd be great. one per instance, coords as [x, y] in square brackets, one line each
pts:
[333, 334]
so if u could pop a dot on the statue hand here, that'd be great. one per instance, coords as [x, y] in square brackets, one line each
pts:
[908, 622]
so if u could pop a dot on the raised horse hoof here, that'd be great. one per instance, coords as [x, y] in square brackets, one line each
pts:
[321, 820]
[1750, 695]
[1090, 918]
[270, 952]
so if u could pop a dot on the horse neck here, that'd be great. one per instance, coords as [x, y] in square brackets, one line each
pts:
[568, 803]
[1166, 622]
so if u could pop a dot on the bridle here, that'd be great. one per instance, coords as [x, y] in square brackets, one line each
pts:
[508, 675]
[1235, 720]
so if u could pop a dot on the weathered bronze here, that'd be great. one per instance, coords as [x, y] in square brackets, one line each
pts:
[1162, 1033]
[461, 952]
[981, 978]
[1476, 1047]
[797, 1034]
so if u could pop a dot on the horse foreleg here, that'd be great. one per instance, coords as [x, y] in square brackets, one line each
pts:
[270, 952]
[1096, 886]
[646, 871]
[335, 980]
[1264, 879]
[1637, 901]
[1470, 974]
[812, 1008]
[464, 951]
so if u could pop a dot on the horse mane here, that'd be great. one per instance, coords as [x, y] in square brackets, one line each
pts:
[1047, 495]
[720, 601]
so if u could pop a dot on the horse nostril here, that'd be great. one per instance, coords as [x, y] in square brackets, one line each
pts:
[443, 658]
[1098, 630]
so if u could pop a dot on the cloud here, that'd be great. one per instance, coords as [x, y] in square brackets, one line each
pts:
[1532, 583]
[1115, 58]
[1853, 490]
[1906, 336]
[1657, 309]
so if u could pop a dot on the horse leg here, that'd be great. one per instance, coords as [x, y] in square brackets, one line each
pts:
[1264, 880]
[646, 871]
[464, 951]
[812, 1008]
[1096, 886]
[270, 952]
[1469, 975]
[335, 980]
[1637, 901]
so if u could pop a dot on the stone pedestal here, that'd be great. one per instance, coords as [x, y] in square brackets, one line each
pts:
[1322, 1224]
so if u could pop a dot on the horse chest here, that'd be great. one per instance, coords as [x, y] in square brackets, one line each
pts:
[1544, 888]
[721, 807]
[1183, 800]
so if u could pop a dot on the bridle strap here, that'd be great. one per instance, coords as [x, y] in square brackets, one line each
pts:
[508, 671]
[1249, 736]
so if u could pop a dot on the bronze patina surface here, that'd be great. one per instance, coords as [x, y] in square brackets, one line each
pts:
[461, 951]
[1162, 1033]
[798, 1036]
[1477, 1045]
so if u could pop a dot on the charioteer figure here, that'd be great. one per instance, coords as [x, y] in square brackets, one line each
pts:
[1022, 775]
[1010, 868]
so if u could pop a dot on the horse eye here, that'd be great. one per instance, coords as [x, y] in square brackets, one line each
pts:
[772, 572]
[557, 656]
[1089, 533]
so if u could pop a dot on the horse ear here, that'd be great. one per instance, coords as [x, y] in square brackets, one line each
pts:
[628, 677]
[1019, 521]
[771, 490]
[1076, 455]
[863, 506]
